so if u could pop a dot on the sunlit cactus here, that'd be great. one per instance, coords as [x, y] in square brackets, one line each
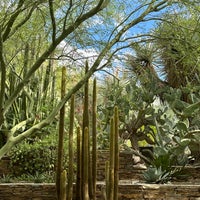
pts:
[71, 152]
[63, 181]
[61, 137]
[94, 140]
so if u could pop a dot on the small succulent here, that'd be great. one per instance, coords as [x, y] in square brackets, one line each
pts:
[156, 175]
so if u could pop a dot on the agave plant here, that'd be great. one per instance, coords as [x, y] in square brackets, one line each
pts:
[156, 175]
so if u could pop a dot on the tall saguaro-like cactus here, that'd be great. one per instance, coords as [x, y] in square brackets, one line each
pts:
[78, 166]
[84, 168]
[94, 140]
[63, 179]
[116, 138]
[86, 160]
[61, 138]
[112, 184]
[86, 165]
[71, 152]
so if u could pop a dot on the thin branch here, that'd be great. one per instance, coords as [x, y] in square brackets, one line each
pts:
[12, 20]
[117, 27]
[19, 126]
[53, 21]
[67, 13]
[22, 22]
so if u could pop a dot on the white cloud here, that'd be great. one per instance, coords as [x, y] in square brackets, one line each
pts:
[70, 55]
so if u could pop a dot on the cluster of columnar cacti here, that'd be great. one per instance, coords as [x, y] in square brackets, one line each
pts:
[86, 165]
[86, 160]
[112, 167]
[86, 156]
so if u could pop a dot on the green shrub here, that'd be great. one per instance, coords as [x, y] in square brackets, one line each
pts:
[34, 158]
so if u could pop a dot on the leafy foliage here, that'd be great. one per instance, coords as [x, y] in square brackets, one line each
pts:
[34, 158]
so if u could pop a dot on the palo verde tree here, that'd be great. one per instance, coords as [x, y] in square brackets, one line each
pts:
[30, 34]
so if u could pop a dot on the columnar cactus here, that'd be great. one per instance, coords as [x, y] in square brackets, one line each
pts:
[78, 166]
[112, 161]
[86, 165]
[112, 185]
[107, 179]
[61, 138]
[71, 152]
[63, 181]
[116, 167]
[85, 124]
[94, 140]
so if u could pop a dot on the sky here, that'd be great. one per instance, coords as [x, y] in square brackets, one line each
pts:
[99, 30]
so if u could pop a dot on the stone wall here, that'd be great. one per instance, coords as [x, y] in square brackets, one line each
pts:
[27, 191]
[127, 169]
[130, 186]
[127, 191]
[4, 166]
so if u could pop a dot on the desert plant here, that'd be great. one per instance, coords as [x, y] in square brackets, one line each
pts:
[112, 168]
[6, 179]
[156, 175]
[71, 152]
[59, 168]
[173, 145]
[94, 139]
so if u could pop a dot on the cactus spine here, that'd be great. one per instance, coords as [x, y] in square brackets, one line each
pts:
[71, 152]
[94, 140]
[61, 138]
